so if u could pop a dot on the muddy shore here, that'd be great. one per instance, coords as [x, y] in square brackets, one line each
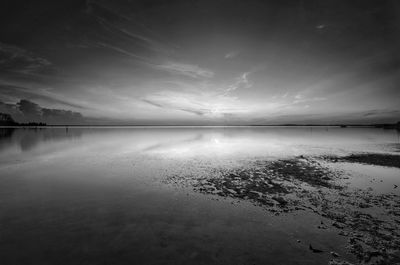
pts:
[369, 221]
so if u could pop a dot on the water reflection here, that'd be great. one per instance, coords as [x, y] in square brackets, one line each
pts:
[215, 141]
[29, 138]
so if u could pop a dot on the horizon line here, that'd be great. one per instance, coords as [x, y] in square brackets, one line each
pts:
[378, 125]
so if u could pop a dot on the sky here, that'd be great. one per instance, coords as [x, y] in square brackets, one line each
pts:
[219, 62]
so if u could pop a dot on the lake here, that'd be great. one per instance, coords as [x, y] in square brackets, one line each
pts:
[199, 195]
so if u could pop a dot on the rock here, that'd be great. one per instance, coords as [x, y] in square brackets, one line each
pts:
[314, 249]
[335, 254]
[231, 191]
[338, 225]
[280, 200]
[339, 262]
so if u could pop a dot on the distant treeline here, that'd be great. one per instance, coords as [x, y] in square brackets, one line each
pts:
[7, 120]
[388, 126]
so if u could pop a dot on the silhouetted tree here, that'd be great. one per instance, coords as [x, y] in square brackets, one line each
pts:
[6, 120]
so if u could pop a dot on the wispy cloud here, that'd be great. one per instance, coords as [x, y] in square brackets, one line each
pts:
[381, 112]
[241, 82]
[16, 59]
[122, 51]
[124, 26]
[134, 36]
[92, 5]
[186, 69]
[299, 98]
[231, 55]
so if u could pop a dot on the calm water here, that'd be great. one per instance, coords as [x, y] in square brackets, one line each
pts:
[99, 196]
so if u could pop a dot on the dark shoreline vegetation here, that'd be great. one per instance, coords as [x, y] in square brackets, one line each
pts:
[7, 120]
[311, 184]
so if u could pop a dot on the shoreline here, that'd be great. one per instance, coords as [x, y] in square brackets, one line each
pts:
[197, 126]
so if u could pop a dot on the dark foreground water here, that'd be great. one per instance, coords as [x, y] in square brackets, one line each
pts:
[199, 195]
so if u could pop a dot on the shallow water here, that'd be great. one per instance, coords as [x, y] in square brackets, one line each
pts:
[100, 195]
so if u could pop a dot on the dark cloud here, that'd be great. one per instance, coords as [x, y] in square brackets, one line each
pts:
[199, 112]
[194, 111]
[28, 111]
[153, 103]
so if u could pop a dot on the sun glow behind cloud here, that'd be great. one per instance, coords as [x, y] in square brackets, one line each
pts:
[206, 98]
[202, 103]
